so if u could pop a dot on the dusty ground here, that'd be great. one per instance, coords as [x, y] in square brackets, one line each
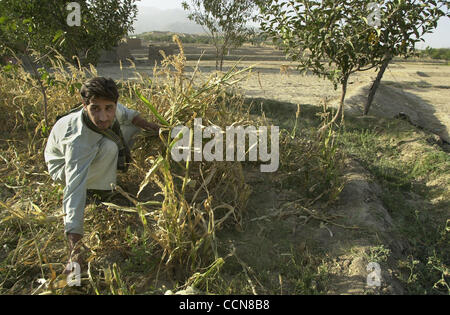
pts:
[280, 232]
[420, 90]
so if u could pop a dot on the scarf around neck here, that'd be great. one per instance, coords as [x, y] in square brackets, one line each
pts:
[115, 134]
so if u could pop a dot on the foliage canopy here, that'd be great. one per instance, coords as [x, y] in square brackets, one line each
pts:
[335, 38]
[41, 24]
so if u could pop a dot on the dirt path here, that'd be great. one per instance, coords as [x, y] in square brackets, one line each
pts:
[419, 90]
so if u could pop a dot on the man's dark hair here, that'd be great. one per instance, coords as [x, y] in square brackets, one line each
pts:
[99, 87]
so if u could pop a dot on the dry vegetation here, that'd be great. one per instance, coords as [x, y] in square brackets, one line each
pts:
[223, 227]
[162, 223]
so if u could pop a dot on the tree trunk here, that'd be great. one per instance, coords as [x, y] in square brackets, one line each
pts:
[221, 57]
[217, 58]
[376, 84]
[221, 62]
[41, 85]
[340, 112]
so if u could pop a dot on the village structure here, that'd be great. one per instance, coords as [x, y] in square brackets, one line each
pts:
[138, 51]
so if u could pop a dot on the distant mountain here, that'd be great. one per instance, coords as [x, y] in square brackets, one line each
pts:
[172, 20]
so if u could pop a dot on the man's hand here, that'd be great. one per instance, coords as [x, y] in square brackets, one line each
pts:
[152, 127]
[144, 124]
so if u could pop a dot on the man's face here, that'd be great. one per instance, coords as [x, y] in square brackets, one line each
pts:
[101, 112]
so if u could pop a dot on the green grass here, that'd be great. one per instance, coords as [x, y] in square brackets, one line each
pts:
[402, 172]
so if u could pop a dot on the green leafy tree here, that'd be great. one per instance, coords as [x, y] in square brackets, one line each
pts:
[30, 26]
[401, 25]
[225, 21]
[38, 25]
[335, 38]
[322, 36]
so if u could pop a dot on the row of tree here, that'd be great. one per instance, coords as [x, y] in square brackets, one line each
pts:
[331, 38]
[436, 53]
[168, 37]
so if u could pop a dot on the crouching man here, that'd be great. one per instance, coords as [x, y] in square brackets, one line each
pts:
[86, 148]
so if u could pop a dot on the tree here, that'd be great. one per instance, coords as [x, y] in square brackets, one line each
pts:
[402, 24]
[335, 38]
[225, 21]
[323, 37]
[37, 25]
[25, 29]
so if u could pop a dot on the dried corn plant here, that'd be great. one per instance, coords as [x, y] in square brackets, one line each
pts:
[171, 232]
[198, 197]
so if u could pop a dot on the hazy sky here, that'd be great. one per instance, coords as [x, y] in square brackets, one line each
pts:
[440, 38]
[161, 4]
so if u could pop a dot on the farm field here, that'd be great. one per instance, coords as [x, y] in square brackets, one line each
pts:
[419, 89]
[375, 191]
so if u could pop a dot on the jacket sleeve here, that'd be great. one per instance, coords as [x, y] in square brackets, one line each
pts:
[77, 159]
